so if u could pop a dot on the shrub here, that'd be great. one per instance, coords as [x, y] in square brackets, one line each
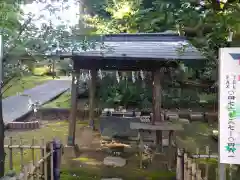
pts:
[40, 71]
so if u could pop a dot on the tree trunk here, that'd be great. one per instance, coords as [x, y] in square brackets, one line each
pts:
[2, 153]
[2, 126]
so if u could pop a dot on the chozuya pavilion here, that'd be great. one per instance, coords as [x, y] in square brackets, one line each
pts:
[130, 52]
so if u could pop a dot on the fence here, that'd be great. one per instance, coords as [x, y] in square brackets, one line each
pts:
[45, 159]
[189, 166]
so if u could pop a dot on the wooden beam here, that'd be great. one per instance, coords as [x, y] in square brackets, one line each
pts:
[73, 111]
[92, 90]
[129, 64]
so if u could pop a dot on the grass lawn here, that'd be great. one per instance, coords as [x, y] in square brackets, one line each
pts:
[63, 101]
[197, 135]
[125, 173]
[20, 84]
[51, 130]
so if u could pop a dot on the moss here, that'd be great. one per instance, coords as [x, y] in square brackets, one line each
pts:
[197, 135]
[207, 97]
[83, 159]
[212, 161]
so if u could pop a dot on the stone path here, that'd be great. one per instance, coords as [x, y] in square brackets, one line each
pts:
[17, 106]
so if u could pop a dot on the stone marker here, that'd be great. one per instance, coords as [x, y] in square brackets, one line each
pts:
[114, 161]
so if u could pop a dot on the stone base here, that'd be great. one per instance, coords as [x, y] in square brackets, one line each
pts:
[158, 126]
[70, 152]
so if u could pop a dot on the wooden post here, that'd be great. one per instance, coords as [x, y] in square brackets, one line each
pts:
[37, 168]
[73, 111]
[206, 164]
[21, 154]
[92, 90]
[140, 150]
[185, 166]
[42, 157]
[170, 150]
[45, 163]
[194, 171]
[33, 152]
[51, 156]
[230, 171]
[156, 101]
[53, 68]
[157, 91]
[10, 154]
[199, 174]
[189, 169]
[25, 173]
[180, 165]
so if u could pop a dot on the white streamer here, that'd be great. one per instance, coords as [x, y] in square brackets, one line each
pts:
[117, 77]
[133, 77]
[100, 74]
[142, 75]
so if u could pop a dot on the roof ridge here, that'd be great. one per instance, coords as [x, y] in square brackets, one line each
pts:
[144, 34]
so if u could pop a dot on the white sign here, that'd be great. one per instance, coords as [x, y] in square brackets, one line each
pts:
[229, 105]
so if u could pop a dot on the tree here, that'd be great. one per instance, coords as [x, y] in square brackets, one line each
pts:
[211, 26]
[122, 18]
[208, 29]
[9, 21]
[25, 34]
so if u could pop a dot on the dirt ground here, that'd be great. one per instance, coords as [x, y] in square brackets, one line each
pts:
[89, 164]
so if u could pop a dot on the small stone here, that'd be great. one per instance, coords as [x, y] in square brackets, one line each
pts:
[114, 161]
[11, 173]
[165, 143]
[185, 121]
[111, 179]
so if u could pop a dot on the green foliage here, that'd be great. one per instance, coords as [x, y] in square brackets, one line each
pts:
[136, 95]
[19, 84]
[10, 15]
[129, 94]
[125, 93]
[208, 28]
[122, 17]
[40, 71]
[63, 101]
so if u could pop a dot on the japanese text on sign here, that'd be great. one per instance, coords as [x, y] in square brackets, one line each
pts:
[231, 89]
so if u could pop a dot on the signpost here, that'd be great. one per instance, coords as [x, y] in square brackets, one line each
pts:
[229, 108]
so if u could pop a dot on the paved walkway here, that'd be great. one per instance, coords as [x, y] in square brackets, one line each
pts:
[17, 106]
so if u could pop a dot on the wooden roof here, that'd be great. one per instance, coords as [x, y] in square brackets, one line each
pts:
[135, 51]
